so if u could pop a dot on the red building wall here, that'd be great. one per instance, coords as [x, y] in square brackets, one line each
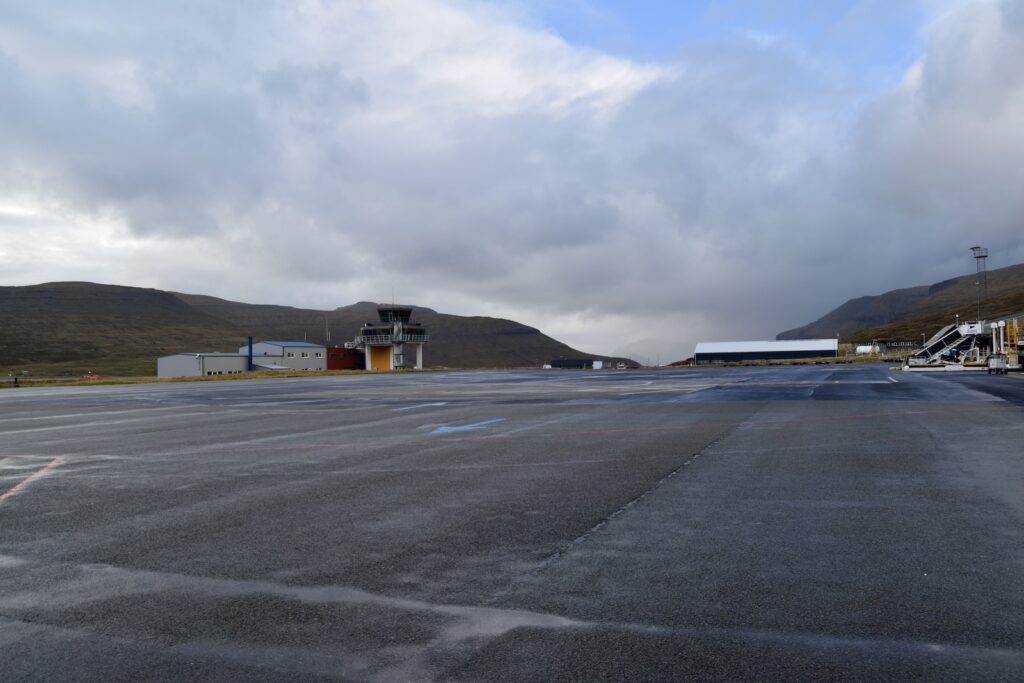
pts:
[340, 358]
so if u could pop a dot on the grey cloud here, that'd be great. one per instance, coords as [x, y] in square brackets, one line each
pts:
[745, 189]
[173, 164]
[320, 86]
[937, 156]
[1013, 15]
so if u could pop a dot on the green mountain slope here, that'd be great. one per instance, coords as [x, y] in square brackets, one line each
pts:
[74, 327]
[455, 341]
[918, 310]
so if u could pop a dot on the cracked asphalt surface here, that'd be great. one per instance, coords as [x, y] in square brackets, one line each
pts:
[768, 523]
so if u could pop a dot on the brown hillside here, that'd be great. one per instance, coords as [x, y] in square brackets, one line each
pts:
[75, 327]
[918, 310]
[455, 341]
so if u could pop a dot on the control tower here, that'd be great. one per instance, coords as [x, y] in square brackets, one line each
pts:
[393, 343]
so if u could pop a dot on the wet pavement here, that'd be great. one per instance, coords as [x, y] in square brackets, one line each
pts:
[767, 523]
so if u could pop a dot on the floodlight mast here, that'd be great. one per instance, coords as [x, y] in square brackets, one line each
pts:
[980, 256]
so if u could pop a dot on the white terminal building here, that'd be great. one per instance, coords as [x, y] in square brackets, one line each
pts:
[736, 351]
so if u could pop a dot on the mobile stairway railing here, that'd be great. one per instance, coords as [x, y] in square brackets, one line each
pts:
[947, 338]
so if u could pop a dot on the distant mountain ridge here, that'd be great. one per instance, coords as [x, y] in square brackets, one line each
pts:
[73, 327]
[912, 311]
[455, 341]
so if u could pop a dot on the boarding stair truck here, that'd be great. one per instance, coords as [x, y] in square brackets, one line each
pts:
[969, 346]
[941, 344]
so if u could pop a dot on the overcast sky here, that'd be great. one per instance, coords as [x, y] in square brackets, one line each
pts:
[630, 177]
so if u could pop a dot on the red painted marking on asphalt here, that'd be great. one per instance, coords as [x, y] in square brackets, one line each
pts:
[29, 479]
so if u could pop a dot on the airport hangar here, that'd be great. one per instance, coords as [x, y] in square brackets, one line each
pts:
[732, 352]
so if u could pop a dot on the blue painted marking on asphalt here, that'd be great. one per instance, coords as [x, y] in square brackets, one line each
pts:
[445, 429]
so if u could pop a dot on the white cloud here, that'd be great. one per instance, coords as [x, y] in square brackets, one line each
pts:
[319, 153]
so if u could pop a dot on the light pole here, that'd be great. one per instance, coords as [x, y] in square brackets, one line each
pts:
[980, 255]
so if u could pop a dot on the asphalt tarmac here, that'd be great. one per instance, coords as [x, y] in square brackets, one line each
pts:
[778, 523]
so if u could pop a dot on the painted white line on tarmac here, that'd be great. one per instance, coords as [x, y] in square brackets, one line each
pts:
[463, 623]
[510, 433]
[83, 425]
[683, 389]
[96, 414]
[445, 429]
[894, 381]
[446, 468]
[274, 412]
[421, 405]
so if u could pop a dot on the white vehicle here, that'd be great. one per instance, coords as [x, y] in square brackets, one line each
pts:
[997, 364]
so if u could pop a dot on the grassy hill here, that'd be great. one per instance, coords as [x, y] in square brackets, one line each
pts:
[920, 310]
[930, 321]
[74, 327]
[69, 328]
[455, 341]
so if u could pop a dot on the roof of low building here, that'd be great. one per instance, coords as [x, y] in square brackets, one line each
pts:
[205, 354]
[292, 343]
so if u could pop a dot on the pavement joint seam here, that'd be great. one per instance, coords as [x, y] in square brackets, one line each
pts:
[582, 538]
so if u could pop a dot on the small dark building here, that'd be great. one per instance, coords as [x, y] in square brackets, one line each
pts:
[340, 358]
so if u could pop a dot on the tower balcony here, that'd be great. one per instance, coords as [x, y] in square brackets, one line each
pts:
[381, 338]
[412, 336]
[376, 338]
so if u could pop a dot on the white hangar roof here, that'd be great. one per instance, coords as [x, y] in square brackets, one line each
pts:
[768, 346]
